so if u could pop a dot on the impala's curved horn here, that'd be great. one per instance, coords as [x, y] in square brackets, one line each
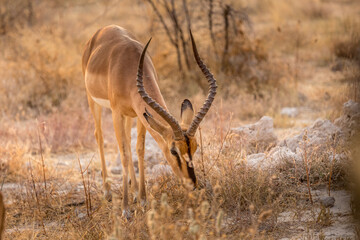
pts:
[152, 103]
[211, 95]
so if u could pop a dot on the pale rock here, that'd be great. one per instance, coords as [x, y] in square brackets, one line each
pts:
[81, 215]
[323, 132]
[153, 154]
[277, 155]
[319, 135]
[327, 202]
[349, 121]
[256, 159]
[159, 170]
[117, 170]
[289, 111]
[257, 137]
[284, 155]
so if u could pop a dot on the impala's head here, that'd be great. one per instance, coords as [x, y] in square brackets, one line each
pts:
[180, 138]
[181, 146]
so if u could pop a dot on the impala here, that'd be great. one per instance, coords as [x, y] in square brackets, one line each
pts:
[111, 61]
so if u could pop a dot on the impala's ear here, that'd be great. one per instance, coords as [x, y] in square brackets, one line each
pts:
[187, 113]
[157, 126]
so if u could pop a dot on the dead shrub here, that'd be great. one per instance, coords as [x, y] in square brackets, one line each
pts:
[315, 10]
[348, 48]
[225, 30]
[348, 44]
[41, 70]
[15, 13]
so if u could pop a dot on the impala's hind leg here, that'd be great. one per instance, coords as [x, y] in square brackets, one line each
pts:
[140, 146]
[96, 112]
[134, 184]
[119, 121]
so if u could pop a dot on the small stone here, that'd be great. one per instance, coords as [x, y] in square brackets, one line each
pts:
[289, 111]
[160, 170]
[66, 164]
[318, 134]
[301, 228]
[338, 66]
[327, 202]
[258, 136]
[116, 170]
[255, 159]
[81, 215]
[277, 155]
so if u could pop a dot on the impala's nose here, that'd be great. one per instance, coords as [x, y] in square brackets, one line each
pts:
[191, 174]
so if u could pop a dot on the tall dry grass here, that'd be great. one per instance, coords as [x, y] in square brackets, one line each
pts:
[51, 200]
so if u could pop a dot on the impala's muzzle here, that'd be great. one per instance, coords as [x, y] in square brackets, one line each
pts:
[182, 158]
[191, 174]
[189, 164]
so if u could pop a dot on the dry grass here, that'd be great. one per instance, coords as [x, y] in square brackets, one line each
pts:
[347, 46]
[233, 200]
[44, 115]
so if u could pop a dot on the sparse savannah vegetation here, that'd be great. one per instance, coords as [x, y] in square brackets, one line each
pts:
[266, 55]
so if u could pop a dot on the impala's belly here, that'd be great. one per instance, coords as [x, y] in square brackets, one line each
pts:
[102, 102]
[96, 85]
[96, 88]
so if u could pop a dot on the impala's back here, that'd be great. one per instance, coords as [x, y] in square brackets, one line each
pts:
[110, 59]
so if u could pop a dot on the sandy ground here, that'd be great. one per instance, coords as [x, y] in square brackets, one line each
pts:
[341, 222]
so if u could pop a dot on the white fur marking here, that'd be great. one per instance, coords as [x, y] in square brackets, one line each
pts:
[102, 102]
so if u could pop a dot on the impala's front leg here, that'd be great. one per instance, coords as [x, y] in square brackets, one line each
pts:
[124, 146]
[134, 184]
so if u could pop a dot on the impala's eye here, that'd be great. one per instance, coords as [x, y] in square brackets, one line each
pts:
[173, 152]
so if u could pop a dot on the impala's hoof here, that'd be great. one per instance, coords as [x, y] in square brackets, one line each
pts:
[108, 195]
[136, 197]
[126, 214]
[143, 203]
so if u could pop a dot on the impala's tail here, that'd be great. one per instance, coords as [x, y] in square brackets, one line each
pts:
[2, 215]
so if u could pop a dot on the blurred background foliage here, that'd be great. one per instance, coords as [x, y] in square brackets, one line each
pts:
[258, 50]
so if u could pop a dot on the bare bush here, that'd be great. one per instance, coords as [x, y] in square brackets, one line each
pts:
[15, 13]
[42, 71]
[347, 47]
[225, 31]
